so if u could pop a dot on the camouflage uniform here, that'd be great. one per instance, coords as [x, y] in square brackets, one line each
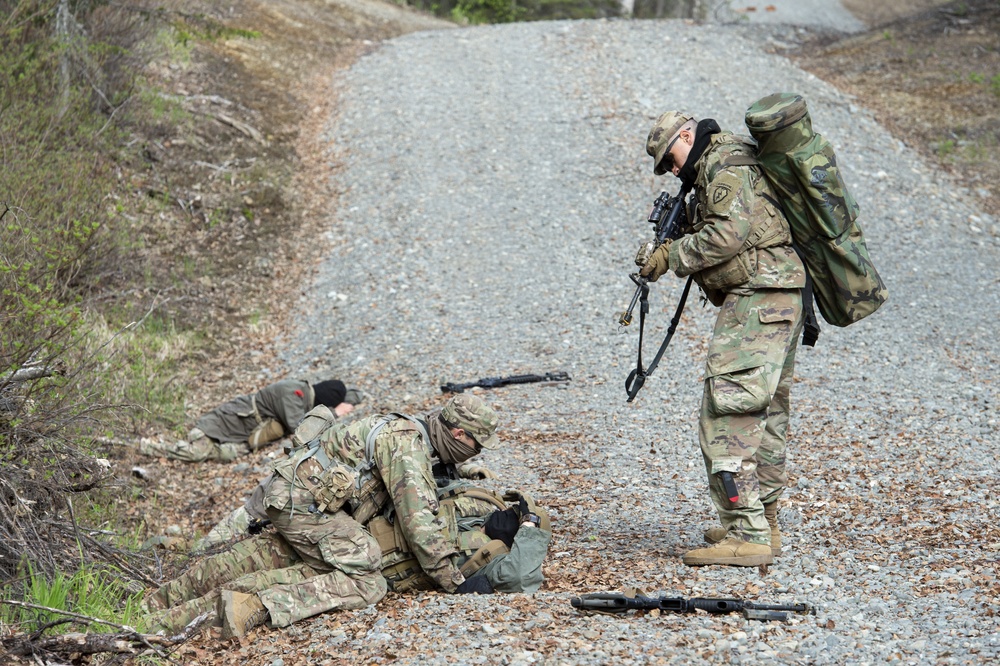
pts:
[740, 253]
[258, 563]
[241, 425]
[396, 472]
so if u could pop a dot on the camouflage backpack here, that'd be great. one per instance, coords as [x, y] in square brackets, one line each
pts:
[802, 169]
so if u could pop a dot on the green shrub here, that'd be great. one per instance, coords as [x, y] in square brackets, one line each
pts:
[87, 591]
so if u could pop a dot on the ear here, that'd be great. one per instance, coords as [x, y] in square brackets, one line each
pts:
[457, 432]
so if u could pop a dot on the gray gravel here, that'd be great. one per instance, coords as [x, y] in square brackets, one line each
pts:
[494, 190]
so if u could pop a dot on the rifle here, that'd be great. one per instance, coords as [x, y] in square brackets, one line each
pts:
[668, 216]
[614, 602]
[494, 382]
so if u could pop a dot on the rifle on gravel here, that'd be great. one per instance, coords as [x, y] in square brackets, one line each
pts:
[615, 603]
[494, 382]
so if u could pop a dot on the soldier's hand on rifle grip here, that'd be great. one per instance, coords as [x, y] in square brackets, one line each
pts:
[658, 262]
[644, 253]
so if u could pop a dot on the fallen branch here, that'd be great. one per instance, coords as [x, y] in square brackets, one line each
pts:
[129, 641]
[30, 372]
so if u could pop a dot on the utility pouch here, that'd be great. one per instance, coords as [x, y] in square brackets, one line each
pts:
[483, 556]
[330, 487]
[732, 273]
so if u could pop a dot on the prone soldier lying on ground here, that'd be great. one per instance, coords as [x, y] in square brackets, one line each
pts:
[251, 517]
[249, 422]
[500, 542]
[341, 544]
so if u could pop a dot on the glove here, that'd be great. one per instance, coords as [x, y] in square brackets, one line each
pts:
[658, 263]
[477, 472]
[256, 526]
[475, 585]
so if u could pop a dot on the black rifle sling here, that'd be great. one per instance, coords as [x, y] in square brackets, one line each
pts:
[637, 377]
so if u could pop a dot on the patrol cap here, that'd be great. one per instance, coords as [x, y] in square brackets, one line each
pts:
[656, 143]
[474, 417]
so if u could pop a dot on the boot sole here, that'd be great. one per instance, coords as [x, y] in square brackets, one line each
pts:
[745, 561]
[775, 552]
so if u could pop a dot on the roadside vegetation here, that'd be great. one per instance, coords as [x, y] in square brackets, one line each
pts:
[87, 354]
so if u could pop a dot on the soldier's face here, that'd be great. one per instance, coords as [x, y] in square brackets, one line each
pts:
[679, 149]
[461, 435]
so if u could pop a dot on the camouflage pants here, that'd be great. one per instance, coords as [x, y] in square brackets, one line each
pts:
[232, 527]
[345, 555]
[252, 565]
[196, 448]
[745, 405]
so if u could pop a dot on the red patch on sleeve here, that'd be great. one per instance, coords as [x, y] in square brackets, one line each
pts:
[299, 392]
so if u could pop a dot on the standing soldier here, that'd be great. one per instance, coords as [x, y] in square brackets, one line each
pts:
[249, 422]
[740, 253]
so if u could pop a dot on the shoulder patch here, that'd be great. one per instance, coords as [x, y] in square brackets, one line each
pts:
[721, 192]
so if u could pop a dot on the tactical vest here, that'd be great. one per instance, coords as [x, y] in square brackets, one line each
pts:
[334, 483]
[768, 227]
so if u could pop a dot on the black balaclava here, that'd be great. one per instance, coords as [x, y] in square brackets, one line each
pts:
[330, 393]
[503, 525]
[702, 136]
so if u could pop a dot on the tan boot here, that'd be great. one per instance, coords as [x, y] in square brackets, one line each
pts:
[240, 613]
[715, 534]
[771, 515]
[731, 551]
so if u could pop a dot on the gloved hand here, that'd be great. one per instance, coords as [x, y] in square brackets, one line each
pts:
[645, 251]
[475, 585]
[658, 263]
[477, 472]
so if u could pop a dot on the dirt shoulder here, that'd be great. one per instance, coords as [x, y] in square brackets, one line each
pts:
[931, 76]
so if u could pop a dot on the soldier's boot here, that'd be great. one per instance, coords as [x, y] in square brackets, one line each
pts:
[731, 551]
[240, 613]
[716, 534]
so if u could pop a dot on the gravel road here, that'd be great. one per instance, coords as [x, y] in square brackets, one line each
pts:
[494, 190]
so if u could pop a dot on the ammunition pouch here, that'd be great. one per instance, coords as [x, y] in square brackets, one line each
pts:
[330, 486]
[731, 273]
[368, 500]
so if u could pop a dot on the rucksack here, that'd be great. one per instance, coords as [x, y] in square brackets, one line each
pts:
[802, 169]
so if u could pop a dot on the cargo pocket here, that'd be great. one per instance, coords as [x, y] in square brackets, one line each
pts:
[739, 392]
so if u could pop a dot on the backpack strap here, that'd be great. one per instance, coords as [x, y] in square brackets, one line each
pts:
[810, 327]
[368, 464]
[735, 159]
